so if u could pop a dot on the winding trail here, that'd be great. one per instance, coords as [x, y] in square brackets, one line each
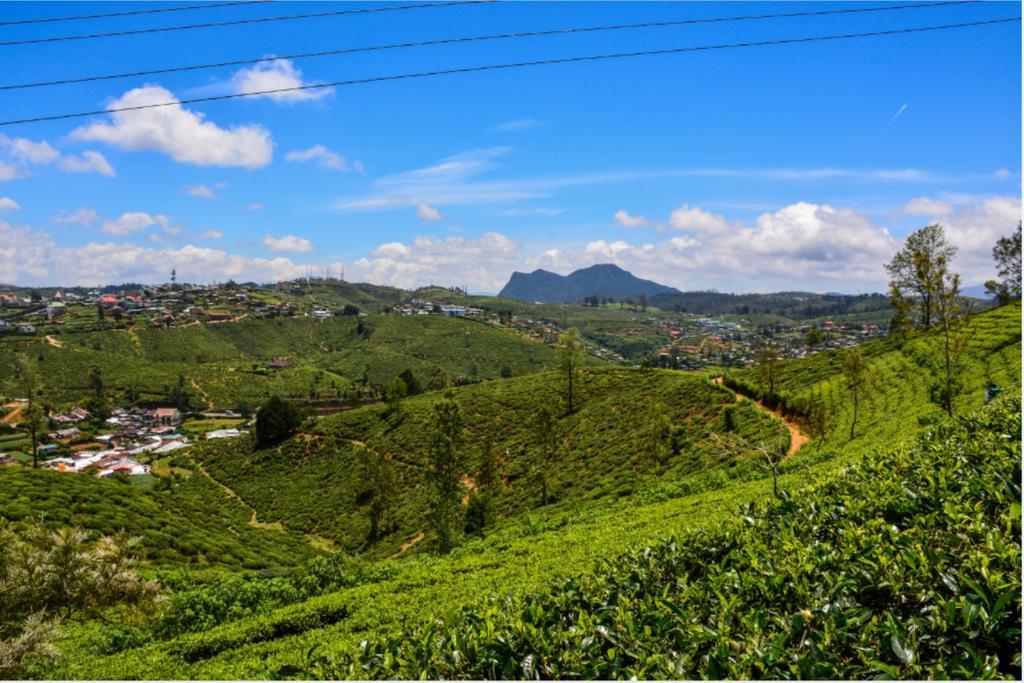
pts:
[231, 493]
[797, 438]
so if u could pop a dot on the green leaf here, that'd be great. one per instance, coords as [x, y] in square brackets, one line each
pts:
[905, 653]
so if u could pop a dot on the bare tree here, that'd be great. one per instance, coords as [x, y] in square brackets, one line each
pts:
[772, 463]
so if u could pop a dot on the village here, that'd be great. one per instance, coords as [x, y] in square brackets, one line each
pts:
[126, 444]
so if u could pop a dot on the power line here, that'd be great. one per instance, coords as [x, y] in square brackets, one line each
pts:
[518, 65]
[239, 22]
[211, 5]
[480, 38]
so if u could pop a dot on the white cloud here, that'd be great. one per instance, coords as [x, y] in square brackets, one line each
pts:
[84, 217]
[536, 211]
[8, 204]
[324, 158]
[210, 235]
[483, 264]
[426, 212]
[180, 133]
[694, 219]
[32, 257]
[87, 162]
[200, 191]
[26, 153]
[516, 125]
[25, 150]
[133, 221]
[288, 243]
[625, 220]
[276, 75]
[923, 206]
[974, 228]
[255, 206]
[9, 171]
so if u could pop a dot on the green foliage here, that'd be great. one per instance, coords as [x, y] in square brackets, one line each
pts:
[226, 364]
[861, 577]
[191, 521]
[445, 468]
[48, 576]
[314, 482]
[277, 420]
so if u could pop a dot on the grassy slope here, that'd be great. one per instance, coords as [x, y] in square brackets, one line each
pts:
[523, 554]
[315, 483]
[227, 361]
[901, 379]
[907, 566]
[196, 523]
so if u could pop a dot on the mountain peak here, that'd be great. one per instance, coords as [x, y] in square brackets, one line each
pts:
[600, 280]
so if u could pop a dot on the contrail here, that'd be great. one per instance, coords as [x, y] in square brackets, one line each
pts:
[895, 116]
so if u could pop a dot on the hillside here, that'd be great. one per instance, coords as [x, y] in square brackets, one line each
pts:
[225, 365]
[543, 558]
[317, 482]
[861, 577]
[602, 281]
[191, 521]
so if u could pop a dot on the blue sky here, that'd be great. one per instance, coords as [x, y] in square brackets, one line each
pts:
[755, 169]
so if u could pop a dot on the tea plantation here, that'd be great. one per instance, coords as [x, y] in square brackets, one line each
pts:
[227, 365]
[894, 553]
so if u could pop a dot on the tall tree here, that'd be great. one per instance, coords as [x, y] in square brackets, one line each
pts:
[766, 359]
[96, 381]
[27, 384]
[855, 370]
[950, 314]
[918, 270]
[396, 391]
[380, 476]
[487, 468]
[570, 357]
[447, 463]
[661, 436]
[547, 443]
[1007, 256]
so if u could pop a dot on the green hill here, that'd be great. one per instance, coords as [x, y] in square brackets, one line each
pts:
[317, 482]
[226, 364]
[866, 576]
[192, 522]
[859, 519]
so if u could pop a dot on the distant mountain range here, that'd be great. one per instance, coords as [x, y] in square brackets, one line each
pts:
[604, 280]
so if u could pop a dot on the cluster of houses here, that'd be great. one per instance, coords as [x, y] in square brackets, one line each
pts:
[158, 305]
[434, 307]
[704, 341]
[149, 431]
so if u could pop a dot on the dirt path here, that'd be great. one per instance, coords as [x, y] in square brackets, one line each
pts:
[408, 544]
[53, 342]
[199, 389]
[15, 413]
[797, 438]
[253, 521]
